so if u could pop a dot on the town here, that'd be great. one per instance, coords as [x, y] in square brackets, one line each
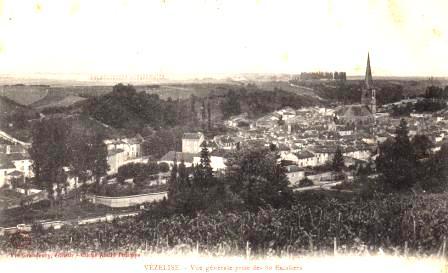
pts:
[305, 138]
[84, 165]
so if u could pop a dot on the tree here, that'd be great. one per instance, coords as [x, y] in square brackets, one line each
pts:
[203, 112]
[49, 152]
[397, 161]
[80, 157]
[61, 183]
[231, 105]
[206, 168]
[209, 115]
[164, 167]
[99, 159]
[184, 195]
[163, 141]
[338, 160]
[196, 196]
[172, 183]
[306, 182]
[193, 104]
[434, 172]
[170, 113]
[258, 179]
[422, 146]
[183, 176]
[152, 168]
[125, 108]
[15, 182]
[124, 90]
[402, 143]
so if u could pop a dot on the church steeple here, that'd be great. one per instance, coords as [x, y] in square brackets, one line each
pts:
[368, 78]
[368, 97]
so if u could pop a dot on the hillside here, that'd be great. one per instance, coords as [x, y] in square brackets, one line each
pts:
[8, 106]
[54, 99]
[24, 94]
[14, 118]
[83, 123]
[125, 108]
[42, 95]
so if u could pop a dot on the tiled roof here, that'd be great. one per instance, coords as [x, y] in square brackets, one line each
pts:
[15, 173]
[304, 154]
[353, 110]
[283, 147]
[192, 136]
[114, 152]
[171, 155]
[134, 141]
[293, 168]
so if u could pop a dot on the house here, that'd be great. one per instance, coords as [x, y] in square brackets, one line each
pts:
[133, 147]
[115, 159]
[294, 174]
[353, 162]
[130, 146]
[173, 156]
[345, 131]
[191, 142]
[283, 149]
[324, 154]
[6, 167]
[362, 152]
[306, 158]
[12, 165]
[286, 113]
[225, 142]
[9, 147]
[268, 121]
[239, 121]
[122, 150]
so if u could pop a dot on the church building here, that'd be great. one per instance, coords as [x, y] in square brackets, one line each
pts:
[363, 114]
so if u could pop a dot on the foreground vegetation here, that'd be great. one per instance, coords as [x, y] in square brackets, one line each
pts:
[310, 225]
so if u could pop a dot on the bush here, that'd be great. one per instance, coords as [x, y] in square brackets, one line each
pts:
[164, 167]
[306, 182]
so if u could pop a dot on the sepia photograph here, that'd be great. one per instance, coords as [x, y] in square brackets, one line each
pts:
[223, 136]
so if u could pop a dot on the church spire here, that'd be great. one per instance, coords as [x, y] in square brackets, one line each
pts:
[368, 79]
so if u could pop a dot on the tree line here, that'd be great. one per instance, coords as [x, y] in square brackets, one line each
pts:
[256, 102]
[436, 92]
[350, 92]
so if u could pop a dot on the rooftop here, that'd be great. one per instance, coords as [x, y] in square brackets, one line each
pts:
[304, 154]
[178, 156]
[114, 152]
[192, 136]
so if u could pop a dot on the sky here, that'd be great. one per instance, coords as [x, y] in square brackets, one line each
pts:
[182, 39]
